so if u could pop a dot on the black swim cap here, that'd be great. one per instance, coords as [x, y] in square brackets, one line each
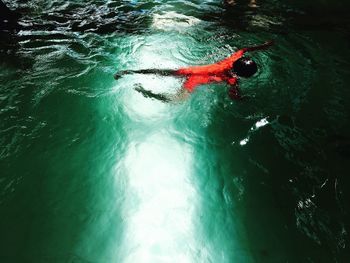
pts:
[245, 67]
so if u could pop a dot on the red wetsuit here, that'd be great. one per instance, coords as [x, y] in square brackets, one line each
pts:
[218, 72]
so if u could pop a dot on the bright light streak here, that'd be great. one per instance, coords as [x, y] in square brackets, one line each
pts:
[161, 201]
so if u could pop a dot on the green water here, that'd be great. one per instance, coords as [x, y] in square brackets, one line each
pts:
[92, 171]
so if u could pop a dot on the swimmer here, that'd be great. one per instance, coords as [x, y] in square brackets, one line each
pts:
[227, 70]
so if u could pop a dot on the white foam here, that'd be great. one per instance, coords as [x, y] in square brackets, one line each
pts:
[173, 21]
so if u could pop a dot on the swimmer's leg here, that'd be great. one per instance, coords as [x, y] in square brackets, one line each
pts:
[161, 72]
[150, 94]
[181, 95]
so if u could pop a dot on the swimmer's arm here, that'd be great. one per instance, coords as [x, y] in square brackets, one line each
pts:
[266, 45]
[180, 96]
[223, 65]
[234, 91]
[227, 63]
[237, 55]
[161, 72]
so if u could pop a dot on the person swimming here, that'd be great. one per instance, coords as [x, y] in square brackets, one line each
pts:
[227, 70]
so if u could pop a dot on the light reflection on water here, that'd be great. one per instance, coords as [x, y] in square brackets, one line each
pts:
[161, 202]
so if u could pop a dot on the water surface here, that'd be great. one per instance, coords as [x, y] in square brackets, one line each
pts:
[92, 171]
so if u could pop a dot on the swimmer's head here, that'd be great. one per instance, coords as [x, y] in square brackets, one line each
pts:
[244, 67]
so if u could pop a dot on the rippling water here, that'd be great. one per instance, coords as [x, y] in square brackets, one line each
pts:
[91, 171]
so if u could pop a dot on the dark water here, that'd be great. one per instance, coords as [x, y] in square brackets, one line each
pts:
[91, 171]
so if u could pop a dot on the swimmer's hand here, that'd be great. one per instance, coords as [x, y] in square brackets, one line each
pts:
[265, 45]
[235, 94]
